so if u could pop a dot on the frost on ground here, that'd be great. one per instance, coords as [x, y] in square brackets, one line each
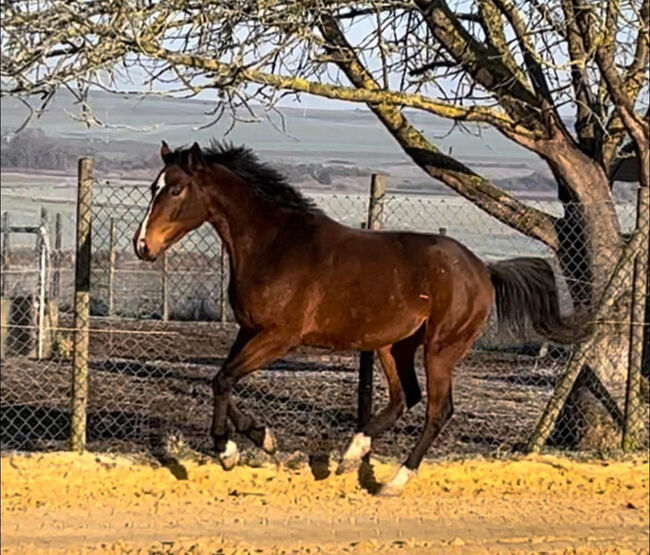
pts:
[67, 503]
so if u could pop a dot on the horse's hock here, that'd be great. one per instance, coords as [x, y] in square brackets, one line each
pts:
[22, 332]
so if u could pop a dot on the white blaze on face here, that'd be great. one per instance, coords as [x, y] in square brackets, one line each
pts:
[160, 185]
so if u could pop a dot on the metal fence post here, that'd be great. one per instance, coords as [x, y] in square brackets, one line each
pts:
[111, 267]
[4, 303]
[164, 287]
[633, 403]
[645, 362]
[56, 256]
[81, 305]
[366, 358]
[42, 287]
[582, 352]
[223, 288]
[42, 222]
[5, 253]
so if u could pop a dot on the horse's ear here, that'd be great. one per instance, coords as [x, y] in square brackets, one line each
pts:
[165, 151]
[195, 158]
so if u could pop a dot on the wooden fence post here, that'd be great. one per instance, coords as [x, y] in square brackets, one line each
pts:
[111, 267]
[81, 306]
[366, 358]
[633, 422]
[376, 203]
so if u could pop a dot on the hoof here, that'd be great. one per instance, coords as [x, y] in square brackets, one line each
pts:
[388, 490]
[348, 465]
[230, 457]
[269, 444]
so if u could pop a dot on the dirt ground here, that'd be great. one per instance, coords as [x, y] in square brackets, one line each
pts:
[56, 503]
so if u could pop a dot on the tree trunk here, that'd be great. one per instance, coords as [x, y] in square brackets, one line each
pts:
[590, 245]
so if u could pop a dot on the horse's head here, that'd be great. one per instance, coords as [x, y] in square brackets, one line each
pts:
[177, 204]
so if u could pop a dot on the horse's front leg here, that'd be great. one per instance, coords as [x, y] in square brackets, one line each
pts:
[249, 353]
[245, 423]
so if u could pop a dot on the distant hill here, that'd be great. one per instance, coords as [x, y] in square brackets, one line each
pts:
[310, 135]
[325, 149]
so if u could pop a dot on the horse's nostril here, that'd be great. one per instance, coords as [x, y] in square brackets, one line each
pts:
[142, 248]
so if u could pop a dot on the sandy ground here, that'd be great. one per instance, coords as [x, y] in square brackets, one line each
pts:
[55, 503]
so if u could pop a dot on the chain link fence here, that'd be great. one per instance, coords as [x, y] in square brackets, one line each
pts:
[36, 298]
[159, 331]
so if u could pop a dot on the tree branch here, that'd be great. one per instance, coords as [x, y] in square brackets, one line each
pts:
[457, 176]
[226, 74]
[483, 63]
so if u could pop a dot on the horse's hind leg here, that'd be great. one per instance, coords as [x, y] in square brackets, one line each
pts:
[439, 364]
[398, 363]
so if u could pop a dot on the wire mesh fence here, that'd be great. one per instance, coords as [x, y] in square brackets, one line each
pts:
[36, 285]
[159, 331]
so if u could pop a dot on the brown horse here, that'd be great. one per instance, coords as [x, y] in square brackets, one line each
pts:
[300, 278]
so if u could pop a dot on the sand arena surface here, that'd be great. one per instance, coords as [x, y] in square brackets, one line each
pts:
[68, 503]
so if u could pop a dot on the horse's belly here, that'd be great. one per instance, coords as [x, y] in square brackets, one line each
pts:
[363, 331]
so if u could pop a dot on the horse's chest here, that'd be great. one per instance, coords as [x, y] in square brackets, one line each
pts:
[257, 303]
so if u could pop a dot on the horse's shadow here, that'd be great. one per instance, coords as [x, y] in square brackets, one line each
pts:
[366, 477]
[319, 464]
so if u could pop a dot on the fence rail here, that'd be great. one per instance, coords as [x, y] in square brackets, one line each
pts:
[144, 340]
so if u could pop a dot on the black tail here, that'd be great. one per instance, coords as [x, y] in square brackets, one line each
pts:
[527, 295]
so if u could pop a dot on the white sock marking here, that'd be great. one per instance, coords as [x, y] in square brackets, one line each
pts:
[230, 450]
[359, 447]
[402, 477]
[268, 443]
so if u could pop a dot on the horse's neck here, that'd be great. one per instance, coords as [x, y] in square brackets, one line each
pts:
[243, 221]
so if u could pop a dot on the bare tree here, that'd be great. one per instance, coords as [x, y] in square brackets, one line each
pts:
[523, 67]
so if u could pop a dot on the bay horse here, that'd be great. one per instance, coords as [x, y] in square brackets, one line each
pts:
[300, 278]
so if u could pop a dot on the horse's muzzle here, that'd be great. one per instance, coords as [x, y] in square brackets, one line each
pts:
[141, 249]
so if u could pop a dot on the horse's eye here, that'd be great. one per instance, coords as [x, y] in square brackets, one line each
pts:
[175, 191]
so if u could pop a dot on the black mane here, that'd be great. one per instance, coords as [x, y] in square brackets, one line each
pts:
[266, 181]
